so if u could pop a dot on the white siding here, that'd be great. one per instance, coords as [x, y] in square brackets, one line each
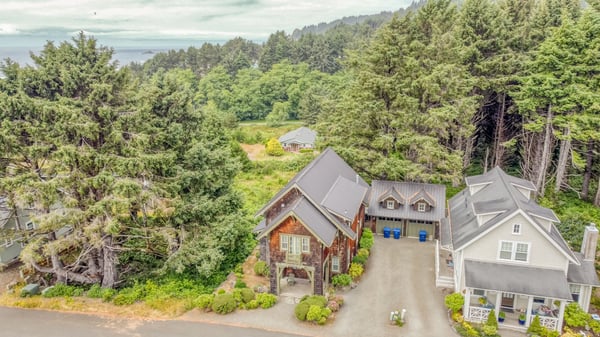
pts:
[542, 253]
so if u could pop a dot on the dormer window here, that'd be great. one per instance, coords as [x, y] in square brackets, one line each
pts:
[516, 229]
[421, 207]
[390, 204]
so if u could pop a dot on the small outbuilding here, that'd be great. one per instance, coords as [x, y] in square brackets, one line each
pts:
[296, 140]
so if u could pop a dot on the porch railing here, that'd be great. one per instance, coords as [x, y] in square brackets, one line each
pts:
[478, 314]
[293, 258]
[547, 322]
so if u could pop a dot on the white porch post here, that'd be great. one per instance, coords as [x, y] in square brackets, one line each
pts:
[529, 308]
[498, 302]
[561, 315]
[467, 303]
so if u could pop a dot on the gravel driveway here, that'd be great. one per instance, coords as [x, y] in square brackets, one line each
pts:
[399, 275]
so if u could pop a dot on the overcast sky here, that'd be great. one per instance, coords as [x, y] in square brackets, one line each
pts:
[175, 19]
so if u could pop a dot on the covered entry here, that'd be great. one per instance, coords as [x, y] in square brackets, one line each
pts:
[291, 276]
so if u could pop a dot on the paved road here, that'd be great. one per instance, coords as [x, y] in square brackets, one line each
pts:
[39, 323]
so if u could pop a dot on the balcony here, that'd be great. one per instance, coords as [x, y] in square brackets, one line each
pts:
[293, 258]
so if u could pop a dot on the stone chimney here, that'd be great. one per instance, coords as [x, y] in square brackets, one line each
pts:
[590, 241]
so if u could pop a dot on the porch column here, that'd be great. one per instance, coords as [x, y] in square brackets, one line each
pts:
[467, 303]
[561, 315]
[529, 308]
[498, 302]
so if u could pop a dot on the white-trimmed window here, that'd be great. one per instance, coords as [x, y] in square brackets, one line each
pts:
[515, 251]
[284, 242]
[335, 264]
[294, 244]
[575, 291]
[390, 204]
[478, 292]
[421, 207]
[29, 226]
[516, 228]
[305, 244]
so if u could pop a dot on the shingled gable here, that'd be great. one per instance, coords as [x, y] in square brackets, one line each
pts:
[331, 186]
[393, 193]
[302, 135]
[498, 194]
[422, 195]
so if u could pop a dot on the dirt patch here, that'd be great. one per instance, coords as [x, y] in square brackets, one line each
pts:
[10, 275]
[254, 151]
[249, 277]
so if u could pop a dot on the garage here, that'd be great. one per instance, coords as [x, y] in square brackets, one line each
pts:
[388, 222]
[414, 226]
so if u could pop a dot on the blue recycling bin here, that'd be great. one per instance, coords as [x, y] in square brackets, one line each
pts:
[396, 233]
[422, 236]
[386, 232]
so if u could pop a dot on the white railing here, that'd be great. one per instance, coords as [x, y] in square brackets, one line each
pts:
[437, 260]
[547, 322]
[478, 314]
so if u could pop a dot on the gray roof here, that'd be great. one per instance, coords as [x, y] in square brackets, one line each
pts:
[432, 191]
[302, 135]
[314, 220]
[445, 239]
[517, 279]
[331, 186]
[499, 195]
[392, 193]
[344, 193]
[584, 273]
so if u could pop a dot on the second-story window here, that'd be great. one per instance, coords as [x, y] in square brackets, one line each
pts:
[421, 207]
[515, 251]
[294, 244]
[516, 229]
[390, 204]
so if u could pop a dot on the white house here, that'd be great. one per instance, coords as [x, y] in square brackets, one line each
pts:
[506, 254]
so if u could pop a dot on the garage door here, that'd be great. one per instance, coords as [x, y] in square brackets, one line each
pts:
[414, 229]
[387, 223]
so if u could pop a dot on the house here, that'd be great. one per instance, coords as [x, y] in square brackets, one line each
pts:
[506, 253]
[312, 227]
[296, 140]
[412, 207]
[10, 220]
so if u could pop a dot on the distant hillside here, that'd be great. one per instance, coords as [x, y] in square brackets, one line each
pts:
[374, 20]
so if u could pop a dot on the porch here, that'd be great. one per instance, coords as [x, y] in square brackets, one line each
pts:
[479, 303]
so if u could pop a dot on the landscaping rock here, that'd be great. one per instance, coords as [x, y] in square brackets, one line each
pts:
[30, 290]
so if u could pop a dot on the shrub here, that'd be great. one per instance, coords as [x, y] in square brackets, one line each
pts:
[204, 301]
[252, 304]
[489, 330]
[240, 284]
[341, 280]
[224, 304]
[535, 328]
[491, 320]
[266, 300]
[273, 148]
[454, 302]
[575, 316]
[458, 317]
[261, 268]
[360, 259]
[367, 241]
[356, 270]
[243, 295]
[63, 290]
[129, 296]
[106, 294]
[220, 291]
[301, 310]
[363, 252]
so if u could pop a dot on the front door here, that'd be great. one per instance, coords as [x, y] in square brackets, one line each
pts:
[508, 301]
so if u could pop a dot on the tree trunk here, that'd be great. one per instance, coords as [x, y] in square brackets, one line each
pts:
[109, 257]
[57, 264]
[597, 199]
[499, 134]
[563, 157]
[545, 157]
[587, 175]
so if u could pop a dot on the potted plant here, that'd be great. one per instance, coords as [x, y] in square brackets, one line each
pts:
[522, 319]
[482, 300]
[501, 316]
